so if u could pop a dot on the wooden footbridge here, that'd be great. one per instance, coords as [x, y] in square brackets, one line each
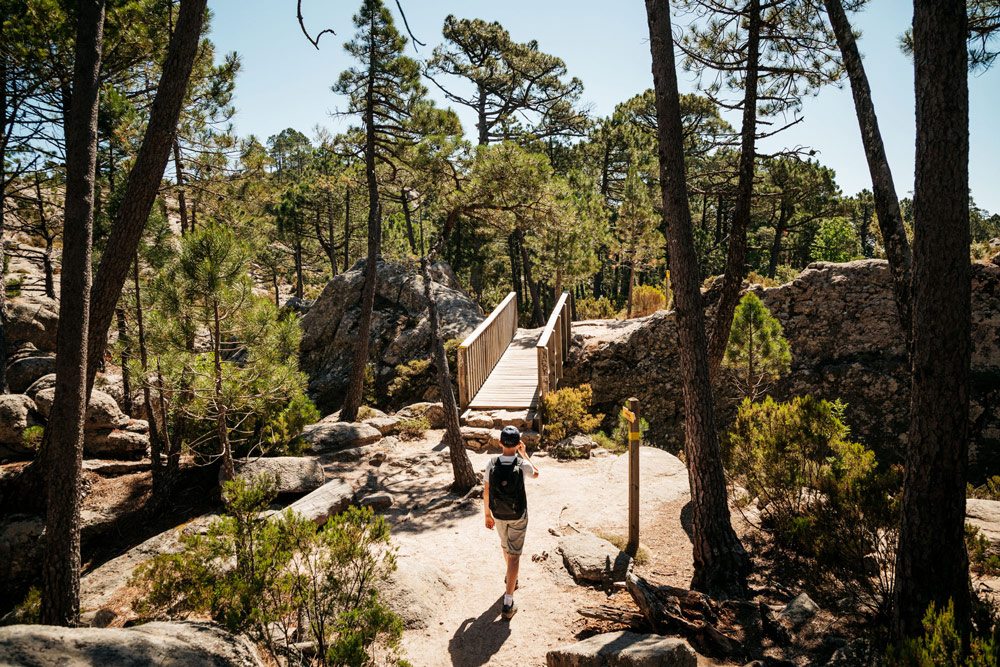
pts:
[503, 367]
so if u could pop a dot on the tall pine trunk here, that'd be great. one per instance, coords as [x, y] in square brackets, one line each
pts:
[160, 483]
[356, 383]
[4, 140]
[179, 173]
[536, 297]
[465, 475]
[931, 561]
[221, 427]
[890, 219]
[735, 260]
[64, 433]
[143, 180]
[720, 562]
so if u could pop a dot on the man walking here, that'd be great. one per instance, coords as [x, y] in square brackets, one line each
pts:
[506, 505]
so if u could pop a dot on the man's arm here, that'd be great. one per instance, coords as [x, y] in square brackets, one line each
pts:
[524, 454]
[486, 504]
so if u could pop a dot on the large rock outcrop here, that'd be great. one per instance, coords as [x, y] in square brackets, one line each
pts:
[33, 319]
[400, 329]
[840, 321]
[180, 643]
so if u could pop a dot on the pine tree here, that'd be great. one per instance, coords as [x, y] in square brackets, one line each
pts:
[636, 242]
[386, 92]
[758, 352]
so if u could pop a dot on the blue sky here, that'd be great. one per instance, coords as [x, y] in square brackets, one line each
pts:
[285, 82]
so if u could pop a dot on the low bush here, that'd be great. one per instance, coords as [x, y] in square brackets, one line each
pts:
[567, 412]
[281, 581]
[646, 300]
[989, 490]
[819, 494]
[589, 308]
[979, 548]
[31, 437]
[412, 428]
[941, 645]
[619, 436]
[604, 440]
[417, 380]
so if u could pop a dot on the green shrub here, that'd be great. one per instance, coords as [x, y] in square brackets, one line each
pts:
[646, 300]
[366, 412]
[989, 490]
[29, 611]
[412, 428]
[31, 437]
[820, 494]
[256, 575]
[284, 430]
[941, 645]
[757, 352]
[785, 274]
[620, 435]
[755, 278]
[589, 308]
[604, 440]
[13, 285]
[567, 412]
[417, 380]
[980, 558]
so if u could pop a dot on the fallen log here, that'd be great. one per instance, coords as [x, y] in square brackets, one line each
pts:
[690, 614]
[627, 617]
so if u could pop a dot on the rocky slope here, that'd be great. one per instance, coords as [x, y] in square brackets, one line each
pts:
[841, 323]
[400, 330]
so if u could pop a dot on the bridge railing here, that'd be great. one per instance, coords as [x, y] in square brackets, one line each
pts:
[553, 346]
[479, 353]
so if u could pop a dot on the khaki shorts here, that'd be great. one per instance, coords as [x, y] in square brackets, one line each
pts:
[512, 533]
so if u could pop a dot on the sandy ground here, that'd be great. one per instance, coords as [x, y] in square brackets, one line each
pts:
[589, 495]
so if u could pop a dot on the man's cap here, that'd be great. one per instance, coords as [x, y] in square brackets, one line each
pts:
[510, 436]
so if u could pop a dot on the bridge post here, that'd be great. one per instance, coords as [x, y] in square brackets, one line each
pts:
[634, 442]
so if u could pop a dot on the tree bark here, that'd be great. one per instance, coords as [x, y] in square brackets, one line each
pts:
[890, 219]
[356, 383]
[221, 428]
[735, 260]
[160, 484]
[931, 561]
[536, 299]
[779, 231]
[465, 475]
[126, 383]
[4, 140]
[144, 179]
[181, 204]
[347, 228]
[721, 564]
[404, 198]
[64, 433]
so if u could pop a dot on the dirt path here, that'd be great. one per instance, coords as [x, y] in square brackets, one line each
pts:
[586, 495]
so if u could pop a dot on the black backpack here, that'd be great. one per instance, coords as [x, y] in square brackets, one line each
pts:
[507, 498]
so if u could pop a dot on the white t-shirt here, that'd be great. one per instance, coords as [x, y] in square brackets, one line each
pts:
[527, 469]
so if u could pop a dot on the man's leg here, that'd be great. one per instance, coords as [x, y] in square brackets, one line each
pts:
[513, 562]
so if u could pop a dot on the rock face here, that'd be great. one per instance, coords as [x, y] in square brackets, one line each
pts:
[20, 554]
[326, 437]
[162, 644]
[590, 558]
[17, 412]
[296, 474]
[840, 321]
[624, 649]
[33, 319]
[23, 372]
[414, 591]
[400, 330]
[108, 432]
[985, 515]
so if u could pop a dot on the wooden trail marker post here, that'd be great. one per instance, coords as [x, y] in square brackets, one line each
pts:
[634, 442]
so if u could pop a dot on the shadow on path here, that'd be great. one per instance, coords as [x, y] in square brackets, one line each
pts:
[477, 640]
